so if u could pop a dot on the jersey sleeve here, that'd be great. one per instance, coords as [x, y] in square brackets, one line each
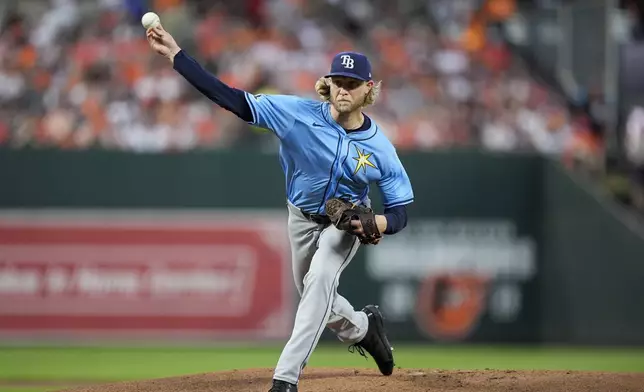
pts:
[394, 185]
[275, 112]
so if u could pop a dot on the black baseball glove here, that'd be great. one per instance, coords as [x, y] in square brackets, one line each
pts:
[342, 213]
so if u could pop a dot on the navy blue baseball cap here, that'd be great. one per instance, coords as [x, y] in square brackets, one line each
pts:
[352, 65]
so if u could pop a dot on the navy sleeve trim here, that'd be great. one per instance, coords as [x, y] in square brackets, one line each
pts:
[396, 219]
[227, 97]
[254, 118]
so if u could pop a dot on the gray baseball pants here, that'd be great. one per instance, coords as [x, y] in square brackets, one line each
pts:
[319, 255]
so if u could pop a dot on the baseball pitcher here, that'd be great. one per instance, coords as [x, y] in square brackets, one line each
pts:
[330, 152]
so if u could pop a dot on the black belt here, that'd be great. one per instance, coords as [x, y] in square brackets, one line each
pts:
[317, 218]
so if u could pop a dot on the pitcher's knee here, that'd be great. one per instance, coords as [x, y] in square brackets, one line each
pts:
[336, 324]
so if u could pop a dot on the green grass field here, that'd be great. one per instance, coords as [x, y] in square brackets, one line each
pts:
[31, 369]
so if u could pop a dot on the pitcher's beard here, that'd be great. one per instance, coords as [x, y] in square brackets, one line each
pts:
[345, 107]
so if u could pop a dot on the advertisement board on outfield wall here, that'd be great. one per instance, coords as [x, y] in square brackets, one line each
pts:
[454, 278]
[575, 274]
[138, 274]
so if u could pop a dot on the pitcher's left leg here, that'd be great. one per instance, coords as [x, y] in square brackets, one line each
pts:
[335, 251]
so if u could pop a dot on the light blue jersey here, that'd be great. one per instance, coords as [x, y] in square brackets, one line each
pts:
[321, 160]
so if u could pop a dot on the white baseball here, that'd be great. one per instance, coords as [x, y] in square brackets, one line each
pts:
[150, 19]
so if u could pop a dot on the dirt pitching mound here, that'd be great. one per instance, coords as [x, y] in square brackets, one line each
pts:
[352, 380]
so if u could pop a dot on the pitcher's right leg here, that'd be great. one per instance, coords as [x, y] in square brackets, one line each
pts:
[349, 325]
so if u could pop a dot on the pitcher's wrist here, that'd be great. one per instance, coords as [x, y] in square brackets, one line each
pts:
[170, 56]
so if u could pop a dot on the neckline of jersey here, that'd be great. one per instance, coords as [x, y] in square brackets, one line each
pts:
[357, 134]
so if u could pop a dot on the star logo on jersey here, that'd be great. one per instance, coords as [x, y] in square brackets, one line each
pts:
[363, 161]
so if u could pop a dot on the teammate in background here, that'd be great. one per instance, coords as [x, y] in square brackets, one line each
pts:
[329, 149]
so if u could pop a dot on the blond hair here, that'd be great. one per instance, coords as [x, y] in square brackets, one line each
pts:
[323, 89]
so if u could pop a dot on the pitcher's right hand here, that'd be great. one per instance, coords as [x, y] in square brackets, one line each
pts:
[162, 42]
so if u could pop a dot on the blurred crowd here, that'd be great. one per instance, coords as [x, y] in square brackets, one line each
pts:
[78, 74]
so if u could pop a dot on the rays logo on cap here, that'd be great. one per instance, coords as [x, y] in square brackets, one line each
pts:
[350, 64]
[347, 61]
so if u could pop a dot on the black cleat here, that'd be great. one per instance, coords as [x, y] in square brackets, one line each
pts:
[375, 341]
[283, 386]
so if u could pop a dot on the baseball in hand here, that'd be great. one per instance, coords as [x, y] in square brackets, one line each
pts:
[150, 19]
